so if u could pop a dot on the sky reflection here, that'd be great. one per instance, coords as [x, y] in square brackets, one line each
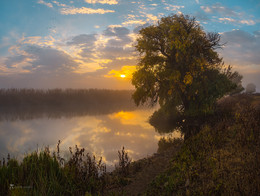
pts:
[102, 135]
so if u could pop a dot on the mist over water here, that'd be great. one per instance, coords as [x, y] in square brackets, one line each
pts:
[102, 134]
[101, 121]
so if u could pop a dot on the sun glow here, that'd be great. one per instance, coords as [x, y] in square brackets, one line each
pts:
[125, 72]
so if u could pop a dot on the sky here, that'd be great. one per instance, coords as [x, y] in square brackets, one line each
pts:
[89, 43]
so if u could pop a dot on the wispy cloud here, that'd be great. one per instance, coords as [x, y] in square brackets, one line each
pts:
[134, 22]
[59, 4]
[84, 10]
[228, 15]
[45, 3]
[248, 22]
[227, 19]
[152, 17]
[110, 2]
[218, 8]
[174, 7]
[231, 20]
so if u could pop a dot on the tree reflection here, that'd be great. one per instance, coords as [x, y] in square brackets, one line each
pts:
[25, 104]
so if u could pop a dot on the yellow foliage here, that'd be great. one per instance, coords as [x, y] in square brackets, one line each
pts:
[188, 79]
[170, 92]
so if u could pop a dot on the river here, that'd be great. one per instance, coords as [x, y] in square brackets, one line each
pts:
[102, 135]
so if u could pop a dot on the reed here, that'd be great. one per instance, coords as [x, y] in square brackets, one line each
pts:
[46, 173]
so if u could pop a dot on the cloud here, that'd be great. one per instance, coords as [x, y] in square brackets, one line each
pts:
[60, 4]
[116, 31]
[33, 58]
[118, 43]
[83, 10]
[50, 60]
[228, 15]
[134, 22]
[242, 46]
[45, 3]
[83, 39]
[248, 22]
[118, 36]
[218, 8]
[242, 51]
[206, 9]
[174, 7]
[151, 17]
[227, 19]
[83, 45]
[112, 52]
[12, 61]
[231, 20]
[110, 2]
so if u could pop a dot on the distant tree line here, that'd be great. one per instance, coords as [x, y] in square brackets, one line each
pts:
[54, 103]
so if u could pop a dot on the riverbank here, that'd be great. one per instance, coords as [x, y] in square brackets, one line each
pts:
[223, 158]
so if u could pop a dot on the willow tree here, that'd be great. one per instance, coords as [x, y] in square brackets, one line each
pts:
[179, 68]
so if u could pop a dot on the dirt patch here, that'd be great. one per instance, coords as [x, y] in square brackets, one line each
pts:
[143, 172]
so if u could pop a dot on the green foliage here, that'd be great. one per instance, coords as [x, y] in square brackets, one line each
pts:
[45, 173]
[179, 68]
[165, 120]
[236, 78]
[222, 159]
[169, 142]
[41, 173]
[124, 162]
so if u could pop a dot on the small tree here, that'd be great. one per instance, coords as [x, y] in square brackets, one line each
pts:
[179, 68]
[250, 88]
[236, 78]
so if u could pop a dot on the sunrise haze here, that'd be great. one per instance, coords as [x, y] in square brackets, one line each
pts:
[89, 43]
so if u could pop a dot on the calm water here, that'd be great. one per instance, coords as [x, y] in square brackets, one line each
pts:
[102, 135]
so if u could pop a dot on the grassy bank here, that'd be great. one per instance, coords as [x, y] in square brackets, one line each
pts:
[223, 159]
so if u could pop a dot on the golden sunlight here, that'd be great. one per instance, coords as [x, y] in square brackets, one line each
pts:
[125, 72]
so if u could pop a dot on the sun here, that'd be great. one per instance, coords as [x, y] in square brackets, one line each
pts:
[122, 76]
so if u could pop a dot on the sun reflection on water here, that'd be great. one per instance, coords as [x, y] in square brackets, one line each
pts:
[102, 135]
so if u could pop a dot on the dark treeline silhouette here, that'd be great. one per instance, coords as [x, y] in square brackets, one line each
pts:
[25, 104]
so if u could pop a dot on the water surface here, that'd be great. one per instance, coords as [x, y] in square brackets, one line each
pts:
[102, 135]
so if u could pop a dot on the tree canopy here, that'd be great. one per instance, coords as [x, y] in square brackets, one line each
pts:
[179, 68]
